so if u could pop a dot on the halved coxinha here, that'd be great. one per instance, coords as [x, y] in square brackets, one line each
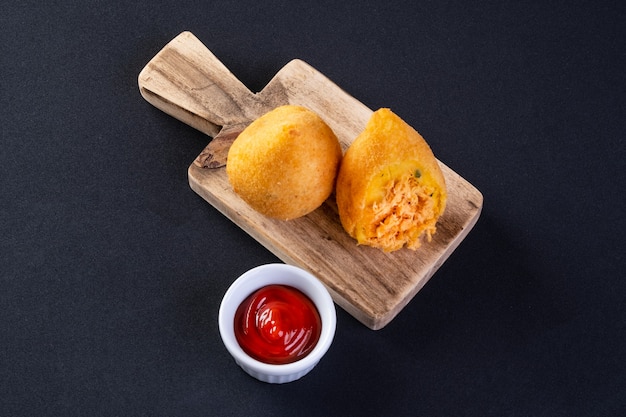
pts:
[390, 190]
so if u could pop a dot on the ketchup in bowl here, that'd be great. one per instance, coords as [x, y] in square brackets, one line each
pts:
[277, 324]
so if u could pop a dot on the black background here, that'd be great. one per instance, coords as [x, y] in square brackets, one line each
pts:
[112, 269]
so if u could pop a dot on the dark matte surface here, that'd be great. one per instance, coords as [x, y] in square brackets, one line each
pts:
[112, 269]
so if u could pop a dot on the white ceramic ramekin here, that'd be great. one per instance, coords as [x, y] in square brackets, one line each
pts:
[262, 276]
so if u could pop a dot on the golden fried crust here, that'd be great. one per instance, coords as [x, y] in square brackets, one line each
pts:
[284, 164]
[390, 189]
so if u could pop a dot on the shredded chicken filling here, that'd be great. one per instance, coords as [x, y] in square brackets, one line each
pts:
[404, 214]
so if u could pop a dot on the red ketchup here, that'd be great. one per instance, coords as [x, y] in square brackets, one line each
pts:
[277, 324]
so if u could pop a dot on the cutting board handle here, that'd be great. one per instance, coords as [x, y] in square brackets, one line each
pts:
[188, 82]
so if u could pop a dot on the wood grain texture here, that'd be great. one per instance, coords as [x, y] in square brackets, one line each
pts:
[188, 82]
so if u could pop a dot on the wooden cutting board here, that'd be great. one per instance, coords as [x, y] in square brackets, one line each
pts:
[188, 82]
